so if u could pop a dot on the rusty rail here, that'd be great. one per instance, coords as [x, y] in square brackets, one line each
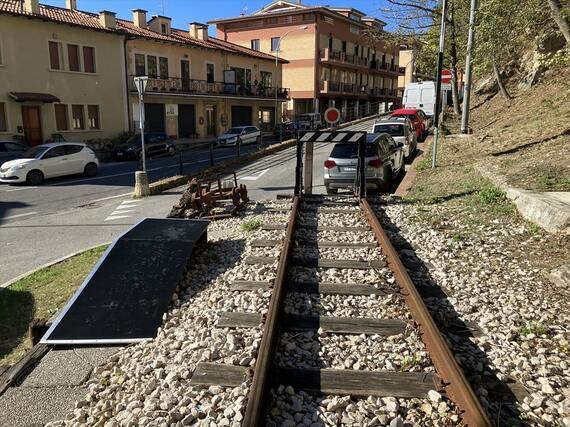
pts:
[456, 384]
[259, 386]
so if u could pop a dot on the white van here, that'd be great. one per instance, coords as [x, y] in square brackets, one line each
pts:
[422, 95]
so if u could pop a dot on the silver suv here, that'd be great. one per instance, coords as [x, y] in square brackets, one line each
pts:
[402, 130]
[384, 161]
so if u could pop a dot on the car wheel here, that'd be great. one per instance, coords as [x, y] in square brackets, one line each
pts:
[171, 150]
[90, 169]
[332, 191]
[34, 177]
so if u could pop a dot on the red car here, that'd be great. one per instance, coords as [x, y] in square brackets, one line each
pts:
[418, 118]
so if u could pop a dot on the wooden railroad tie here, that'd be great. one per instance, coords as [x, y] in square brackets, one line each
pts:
[324, 288]
[269, 227]
[319, 262]
[262, 243]
[326, 381]
[300, 323]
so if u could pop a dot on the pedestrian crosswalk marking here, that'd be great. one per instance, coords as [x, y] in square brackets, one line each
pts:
[124, 210]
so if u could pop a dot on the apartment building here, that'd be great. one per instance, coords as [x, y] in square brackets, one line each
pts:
[408, 55]
[69, 73]
[198, 85]
[60, 73]
[335, 55]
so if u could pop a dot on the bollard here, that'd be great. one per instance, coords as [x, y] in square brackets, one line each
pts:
[141, 184]
[238, 145]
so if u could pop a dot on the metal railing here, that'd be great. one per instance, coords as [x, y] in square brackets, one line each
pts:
[332, 55]
[204, 87]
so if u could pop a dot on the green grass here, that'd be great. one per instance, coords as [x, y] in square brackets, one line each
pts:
[532, 328]
[38, 296]
[251, 225]
[409, 362]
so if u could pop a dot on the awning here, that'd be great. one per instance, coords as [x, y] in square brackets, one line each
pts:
[33, 97]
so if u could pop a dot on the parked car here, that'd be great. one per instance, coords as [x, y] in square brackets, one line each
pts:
[418, 118]
[245, 135]
[286, 129]
[384, 161]
[49, 161]
[309, 121]
[402, 130]
[155, 143]
[10, 150]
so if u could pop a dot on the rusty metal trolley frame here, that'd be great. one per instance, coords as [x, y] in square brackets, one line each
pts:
[453, 379]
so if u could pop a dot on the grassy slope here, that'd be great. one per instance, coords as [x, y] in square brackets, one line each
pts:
[39, 295]
[540, 113]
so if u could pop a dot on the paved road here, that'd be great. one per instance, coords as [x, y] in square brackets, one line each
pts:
[39, 225]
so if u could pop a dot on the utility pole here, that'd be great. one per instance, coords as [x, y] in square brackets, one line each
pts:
[438, 82]
[467, 89]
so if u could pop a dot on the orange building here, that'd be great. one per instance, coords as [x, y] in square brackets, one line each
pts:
[335, 56]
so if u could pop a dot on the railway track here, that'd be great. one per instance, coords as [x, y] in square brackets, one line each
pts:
[340, 300]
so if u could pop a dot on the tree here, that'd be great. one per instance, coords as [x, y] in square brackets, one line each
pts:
[560, 15]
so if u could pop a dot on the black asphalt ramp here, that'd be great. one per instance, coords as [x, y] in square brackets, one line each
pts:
[126, 294]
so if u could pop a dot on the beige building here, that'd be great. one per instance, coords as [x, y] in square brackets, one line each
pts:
[413, 74]
[333, 60]
[61, 72]
[69, 73]
[198, 85]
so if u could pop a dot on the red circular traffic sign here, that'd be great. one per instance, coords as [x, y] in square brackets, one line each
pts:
[446, 76]
[332, 116]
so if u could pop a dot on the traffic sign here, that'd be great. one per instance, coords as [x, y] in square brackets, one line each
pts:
[332, 116]
[445, 76]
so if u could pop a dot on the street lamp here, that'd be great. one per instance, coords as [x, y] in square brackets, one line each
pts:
[140, 83]
[304, 27]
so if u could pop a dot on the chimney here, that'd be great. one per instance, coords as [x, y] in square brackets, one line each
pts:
[199, 31]
[107, 19]
[32, 6]
[139, 18]
[71, 4]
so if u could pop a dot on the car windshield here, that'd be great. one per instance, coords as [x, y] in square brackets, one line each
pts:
[34, 153]
[235, 131]
[350, 151]
[392, 130]
[409, 116]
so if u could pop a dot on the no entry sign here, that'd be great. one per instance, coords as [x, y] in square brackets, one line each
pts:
[445, 76]
[332, 116]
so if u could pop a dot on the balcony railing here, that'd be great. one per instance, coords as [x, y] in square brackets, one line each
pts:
[384, 66]
[332, 87]
[383, 91]
[203, 87]
[345, 58]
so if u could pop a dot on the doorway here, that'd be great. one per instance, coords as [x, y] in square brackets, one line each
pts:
[32, 123]
[211, 120]
[154, 117]
[186, 121]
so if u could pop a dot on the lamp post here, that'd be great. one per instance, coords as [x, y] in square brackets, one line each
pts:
[304, 27]
[141, 179]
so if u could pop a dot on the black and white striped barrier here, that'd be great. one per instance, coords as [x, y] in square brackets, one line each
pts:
[336, 137]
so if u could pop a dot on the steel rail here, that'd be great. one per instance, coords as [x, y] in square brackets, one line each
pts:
[456, 385]
[258, 389]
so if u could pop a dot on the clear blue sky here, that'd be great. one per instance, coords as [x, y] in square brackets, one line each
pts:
[184, 11]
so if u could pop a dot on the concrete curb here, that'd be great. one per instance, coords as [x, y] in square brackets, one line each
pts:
[50, 264]
[550, 210]
[411, 174]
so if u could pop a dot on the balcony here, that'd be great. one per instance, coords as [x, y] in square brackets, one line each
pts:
[342, 58]
[384, 67]
[383, 92]
[329, 87]
[176, 85]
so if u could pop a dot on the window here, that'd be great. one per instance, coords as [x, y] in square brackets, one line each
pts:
[78, 117]
[55, 56]
[210, 73]
[3, 121]
[275, 44]
[164, 28]
[266, 79]
[151, 67]
[344, 46]
[93, 116]
[61, 122]
[163, 64]
[73, 57]
[73, 149]
[354, 29]
[140, 68]
[88, 59]
[55, 152]
[255, 44]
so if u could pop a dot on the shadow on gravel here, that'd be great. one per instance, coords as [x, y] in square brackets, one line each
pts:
[499, 397]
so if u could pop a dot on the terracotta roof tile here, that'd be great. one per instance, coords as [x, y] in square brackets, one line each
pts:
[91, 21]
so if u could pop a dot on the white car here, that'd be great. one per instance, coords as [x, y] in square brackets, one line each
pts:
[402, 130]
[245, 134]
[49, 161]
